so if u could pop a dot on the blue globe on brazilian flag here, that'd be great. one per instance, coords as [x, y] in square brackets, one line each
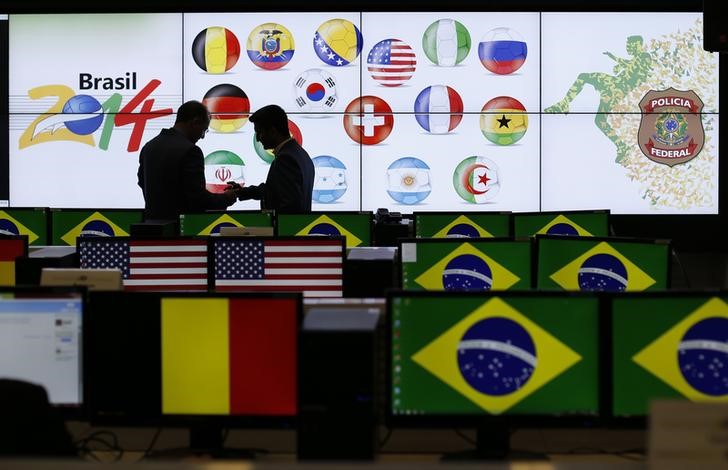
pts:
[446, 42]
[503, 120]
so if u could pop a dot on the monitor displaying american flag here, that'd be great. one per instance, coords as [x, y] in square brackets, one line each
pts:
[173, 264]
[311, 265]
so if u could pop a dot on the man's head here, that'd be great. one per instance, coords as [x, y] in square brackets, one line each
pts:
[193, 119]
[271, 125]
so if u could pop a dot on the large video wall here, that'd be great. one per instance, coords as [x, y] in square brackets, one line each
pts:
[476, 111]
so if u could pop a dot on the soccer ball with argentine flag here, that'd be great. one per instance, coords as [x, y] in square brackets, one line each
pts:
[408, 180]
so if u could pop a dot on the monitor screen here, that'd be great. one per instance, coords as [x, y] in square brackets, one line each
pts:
[69, 224]
[479, 264]
[11, 248]
[165, 264]
[460, 357]
[311, 265]
[40, 341]
[355, 226]
[579, 223]
[602, 264]
[32, 222]
[211, 223]
[459, 225]
[668, 347]
[167, 357]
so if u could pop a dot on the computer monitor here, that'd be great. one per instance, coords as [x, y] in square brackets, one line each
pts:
[478, 264]
[462, 225]
[607, 264]
[12, 247]
[69, 224]
[593, 223]
[667, 346]
[206, 360]
[210, 223]
[40, 341]
[311, 265]
[160, 264]
[29, 221]
[357, 227]
[490, 360]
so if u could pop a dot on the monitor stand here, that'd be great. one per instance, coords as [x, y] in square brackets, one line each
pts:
[207, 441]
[493, 442]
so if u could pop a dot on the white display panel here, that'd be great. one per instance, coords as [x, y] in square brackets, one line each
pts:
[97, 65]
[599, 147]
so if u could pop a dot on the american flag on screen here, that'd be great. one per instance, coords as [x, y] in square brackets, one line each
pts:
[156, 265]
[391, 62]
[311, 265]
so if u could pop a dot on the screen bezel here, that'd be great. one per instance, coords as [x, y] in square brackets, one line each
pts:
[315, 214]
[417, 214]
[519, 215]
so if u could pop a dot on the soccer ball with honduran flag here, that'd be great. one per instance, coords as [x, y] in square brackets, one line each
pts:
[222, 166]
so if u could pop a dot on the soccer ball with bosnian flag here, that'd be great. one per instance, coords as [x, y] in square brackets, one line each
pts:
[222, 166]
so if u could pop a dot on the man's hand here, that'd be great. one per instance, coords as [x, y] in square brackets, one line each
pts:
[231, 195]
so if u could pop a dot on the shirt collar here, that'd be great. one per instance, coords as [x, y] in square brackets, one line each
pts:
[279, 146]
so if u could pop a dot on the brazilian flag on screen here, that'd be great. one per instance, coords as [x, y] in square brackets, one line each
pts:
[669, 347]
[356, 227]
[474, 225]
[30, 222]
[210, 224]
[583, 224]
[476, 265]
[69, 224]
[497, 355]
[605, 265]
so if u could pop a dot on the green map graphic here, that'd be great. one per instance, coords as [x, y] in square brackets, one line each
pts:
[675, 60]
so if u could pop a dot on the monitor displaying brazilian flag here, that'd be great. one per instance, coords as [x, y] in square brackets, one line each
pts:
[355, 226]
[579, 223]
[668, 346]
[602, 264]
[32, 222]
[458, 354]
[479, 264]
[210, 223]
[458, 225]
[69, 224]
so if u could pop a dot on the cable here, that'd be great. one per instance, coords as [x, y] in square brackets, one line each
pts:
[682, 268]
[148, 452]
[465, 437]
[84, 448]
[384, 441]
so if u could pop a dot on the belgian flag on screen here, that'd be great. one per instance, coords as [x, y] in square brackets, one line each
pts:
[669, 347]
[355, 227]
[459, 265]
[30, 222]
[229, 356]
[11, 248]
[583, 224]
[210, 224]
[470, 355]
[462, 225]
[69, 224]
[608, 265]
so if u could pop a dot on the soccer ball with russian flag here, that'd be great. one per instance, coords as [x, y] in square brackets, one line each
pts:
[446, 42]
[438, 109]
[502, 51]
[408, 180]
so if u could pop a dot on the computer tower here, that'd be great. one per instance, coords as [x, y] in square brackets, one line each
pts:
[337, 392]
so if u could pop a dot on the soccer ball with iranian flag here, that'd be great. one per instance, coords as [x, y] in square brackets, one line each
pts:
[222, 166]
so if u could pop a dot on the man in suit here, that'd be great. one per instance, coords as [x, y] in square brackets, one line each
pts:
[171, 169]
[289, 184]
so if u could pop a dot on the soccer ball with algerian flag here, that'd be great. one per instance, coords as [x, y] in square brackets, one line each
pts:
[446, 42]
[408, 180]
[222, 166]
[476, 180]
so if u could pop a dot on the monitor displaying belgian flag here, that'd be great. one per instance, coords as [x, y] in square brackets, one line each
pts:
[479, 264]
[69, 224]
[458, 225]
[458, 354]
[210, 224]
[668, 346]
[231, 356]
[576, 223]
[31, 222]
[11, 248]
[355, 226]
[602, 264]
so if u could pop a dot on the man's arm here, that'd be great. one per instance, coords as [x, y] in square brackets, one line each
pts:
[193, 177]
